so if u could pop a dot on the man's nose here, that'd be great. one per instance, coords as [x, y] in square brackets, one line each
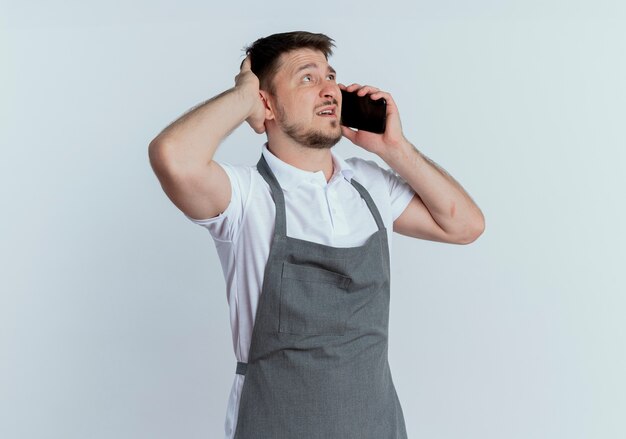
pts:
[330, 90]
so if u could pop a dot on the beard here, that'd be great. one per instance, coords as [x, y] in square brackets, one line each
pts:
[311, 138]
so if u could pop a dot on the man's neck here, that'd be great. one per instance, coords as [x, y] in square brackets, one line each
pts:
[307, 159]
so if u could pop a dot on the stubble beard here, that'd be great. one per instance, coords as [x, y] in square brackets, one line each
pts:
[311, 138]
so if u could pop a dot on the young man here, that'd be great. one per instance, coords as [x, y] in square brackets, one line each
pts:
[303, 238]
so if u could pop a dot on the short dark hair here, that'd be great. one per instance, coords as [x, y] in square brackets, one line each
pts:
[264, 52]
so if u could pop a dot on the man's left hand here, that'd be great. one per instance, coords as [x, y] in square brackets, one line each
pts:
[379, 144]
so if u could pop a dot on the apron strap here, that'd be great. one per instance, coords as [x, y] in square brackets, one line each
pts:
[241, 368]
[370, 203]
[280, 227]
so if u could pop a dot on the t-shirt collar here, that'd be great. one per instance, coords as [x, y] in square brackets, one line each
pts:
[290, 177]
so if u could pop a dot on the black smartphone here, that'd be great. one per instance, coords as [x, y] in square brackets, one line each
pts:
[363, 112]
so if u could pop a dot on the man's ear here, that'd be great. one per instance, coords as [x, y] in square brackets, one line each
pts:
[268, 103]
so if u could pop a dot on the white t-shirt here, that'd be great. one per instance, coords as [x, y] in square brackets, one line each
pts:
[332, 214]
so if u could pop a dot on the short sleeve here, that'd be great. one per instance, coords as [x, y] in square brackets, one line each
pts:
[400, 193]
[225, 226]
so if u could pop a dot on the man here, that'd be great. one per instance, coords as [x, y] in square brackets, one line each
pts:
[303, 238]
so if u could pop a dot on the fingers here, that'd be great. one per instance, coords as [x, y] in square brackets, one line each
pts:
[245, 69]
[367, 89]
[246, 63]
[353, 87]
[363, 90]
[349, 133]
[380, 94]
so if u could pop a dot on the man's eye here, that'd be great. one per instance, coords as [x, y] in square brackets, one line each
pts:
[331, 76]
[306, 77]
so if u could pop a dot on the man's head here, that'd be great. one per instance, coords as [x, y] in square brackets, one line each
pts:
[265, 52]
[297, 83]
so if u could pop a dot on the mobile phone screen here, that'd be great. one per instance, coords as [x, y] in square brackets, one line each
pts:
[363, 113]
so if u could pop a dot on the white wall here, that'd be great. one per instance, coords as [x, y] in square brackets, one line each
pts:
[113, 314]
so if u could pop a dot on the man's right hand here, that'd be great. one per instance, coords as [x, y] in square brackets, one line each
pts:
[247, 83]
[182, 155]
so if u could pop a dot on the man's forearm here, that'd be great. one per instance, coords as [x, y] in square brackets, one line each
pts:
[448, 203]
[193, 138]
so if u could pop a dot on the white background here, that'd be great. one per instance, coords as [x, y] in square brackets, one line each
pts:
[113, 313]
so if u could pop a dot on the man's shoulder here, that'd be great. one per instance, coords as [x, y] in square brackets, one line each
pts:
[238, 166]
[236, 169]
[364, 168]
[241, 177]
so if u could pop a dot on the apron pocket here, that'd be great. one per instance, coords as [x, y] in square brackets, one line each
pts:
[313, 301]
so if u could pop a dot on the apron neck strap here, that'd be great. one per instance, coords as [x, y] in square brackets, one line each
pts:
[280, 228]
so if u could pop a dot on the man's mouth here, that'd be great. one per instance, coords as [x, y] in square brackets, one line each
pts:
[327, 112]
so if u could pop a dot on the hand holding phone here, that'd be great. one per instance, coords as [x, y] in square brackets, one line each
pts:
[363, 112]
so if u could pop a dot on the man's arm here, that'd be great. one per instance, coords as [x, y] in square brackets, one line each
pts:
[440, 210]
[182, 154]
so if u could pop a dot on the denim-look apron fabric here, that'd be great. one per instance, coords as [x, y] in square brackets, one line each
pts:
[317, 366]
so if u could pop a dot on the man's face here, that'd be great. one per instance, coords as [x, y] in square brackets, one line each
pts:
[305, 85]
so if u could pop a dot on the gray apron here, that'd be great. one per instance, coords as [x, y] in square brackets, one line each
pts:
[317, 366]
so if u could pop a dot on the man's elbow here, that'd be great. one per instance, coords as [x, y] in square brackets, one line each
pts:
[159, 156]
[476, 231]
